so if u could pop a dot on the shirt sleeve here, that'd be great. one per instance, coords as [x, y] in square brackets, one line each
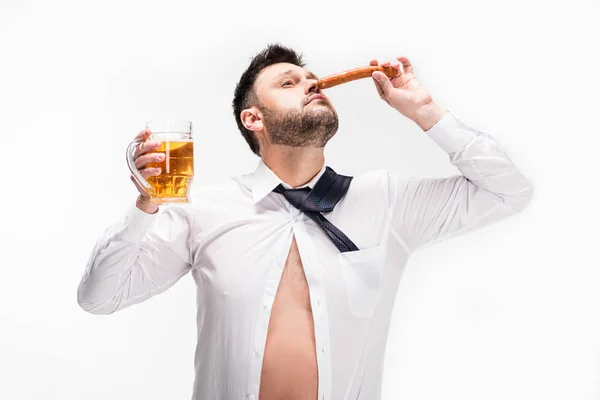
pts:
[139, 256]
[489, 188]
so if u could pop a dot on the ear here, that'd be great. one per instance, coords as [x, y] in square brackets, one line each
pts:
[252, 119]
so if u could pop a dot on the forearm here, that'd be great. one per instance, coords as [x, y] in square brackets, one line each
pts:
[484, 163]
[107, 283]
[131, 262]
[489, 188]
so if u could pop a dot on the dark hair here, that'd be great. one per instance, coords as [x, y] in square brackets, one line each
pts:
[245, 96]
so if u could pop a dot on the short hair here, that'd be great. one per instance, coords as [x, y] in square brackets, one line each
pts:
[245, 95]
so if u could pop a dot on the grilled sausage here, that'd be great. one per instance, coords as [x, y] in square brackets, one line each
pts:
[354, 74]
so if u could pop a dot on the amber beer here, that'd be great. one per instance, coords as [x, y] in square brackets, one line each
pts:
[177, 170]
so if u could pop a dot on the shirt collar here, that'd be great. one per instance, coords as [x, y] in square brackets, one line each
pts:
[264, 180]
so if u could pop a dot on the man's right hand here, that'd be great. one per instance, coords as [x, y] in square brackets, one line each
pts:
[144, 155]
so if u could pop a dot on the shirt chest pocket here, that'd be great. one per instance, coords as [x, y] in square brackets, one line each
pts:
[362, 271]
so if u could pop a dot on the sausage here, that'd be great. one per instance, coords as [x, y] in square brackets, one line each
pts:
[354, 74]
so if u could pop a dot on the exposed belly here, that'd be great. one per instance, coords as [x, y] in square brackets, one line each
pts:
[289, 370]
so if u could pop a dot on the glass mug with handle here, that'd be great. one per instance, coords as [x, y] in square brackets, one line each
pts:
[177, 168]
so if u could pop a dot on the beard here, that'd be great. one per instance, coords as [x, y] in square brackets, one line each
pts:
[300, 128]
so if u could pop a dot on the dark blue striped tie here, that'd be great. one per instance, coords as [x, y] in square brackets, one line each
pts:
[328, 191]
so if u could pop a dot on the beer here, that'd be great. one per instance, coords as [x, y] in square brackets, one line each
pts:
[177, 172]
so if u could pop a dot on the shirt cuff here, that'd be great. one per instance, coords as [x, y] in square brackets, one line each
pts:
[451, 134]
[137, 223]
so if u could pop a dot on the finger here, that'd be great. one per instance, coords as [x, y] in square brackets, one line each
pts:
[374, 63]
[396, 65]
[385, 85]
[406, 65]
[145, 147]
[379, 88]
[148, 172]
[143, 134]
[143, 161]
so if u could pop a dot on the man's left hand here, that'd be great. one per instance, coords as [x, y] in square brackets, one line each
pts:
[404, 93]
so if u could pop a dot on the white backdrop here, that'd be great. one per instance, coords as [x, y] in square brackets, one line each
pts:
[508, 312]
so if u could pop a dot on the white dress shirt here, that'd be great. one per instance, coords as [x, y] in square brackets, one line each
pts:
[234, 238]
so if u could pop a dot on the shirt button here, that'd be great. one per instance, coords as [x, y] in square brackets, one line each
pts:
[322, 350]
[318, 303]
[265, 305]
[256, 351]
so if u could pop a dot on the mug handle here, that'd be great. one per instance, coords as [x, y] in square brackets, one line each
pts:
[134, 171]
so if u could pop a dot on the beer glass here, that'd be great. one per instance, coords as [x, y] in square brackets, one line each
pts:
[177, 168]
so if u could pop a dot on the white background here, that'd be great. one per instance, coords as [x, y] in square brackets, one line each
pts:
[508, 312]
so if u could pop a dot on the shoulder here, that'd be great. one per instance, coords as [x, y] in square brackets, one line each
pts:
[368, 180]
[219, 189]
[373, 177]
[372, 185]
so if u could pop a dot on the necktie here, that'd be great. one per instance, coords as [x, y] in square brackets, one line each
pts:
[328, 191]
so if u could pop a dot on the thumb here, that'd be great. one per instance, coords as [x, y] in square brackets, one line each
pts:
[384, 82]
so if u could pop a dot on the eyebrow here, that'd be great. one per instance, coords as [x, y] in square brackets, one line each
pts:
[309, 75]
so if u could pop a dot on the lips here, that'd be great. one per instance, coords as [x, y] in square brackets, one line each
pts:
[317, 97]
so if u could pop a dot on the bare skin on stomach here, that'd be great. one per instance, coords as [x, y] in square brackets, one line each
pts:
[289, 370]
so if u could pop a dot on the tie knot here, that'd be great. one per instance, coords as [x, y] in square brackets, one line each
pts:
[327, 192]
[281, 189]
[300, 198]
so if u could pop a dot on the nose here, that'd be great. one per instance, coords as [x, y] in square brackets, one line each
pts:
[312, 87]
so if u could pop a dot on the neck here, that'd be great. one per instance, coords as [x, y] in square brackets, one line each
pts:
[296, 166]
